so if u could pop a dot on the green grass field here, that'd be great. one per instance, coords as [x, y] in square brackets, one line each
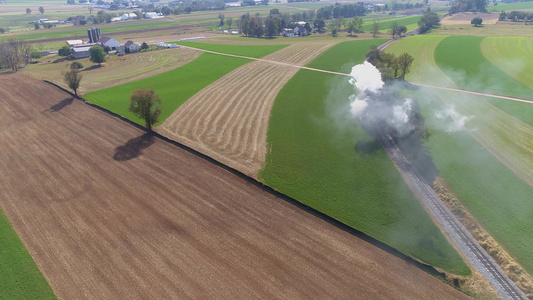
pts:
[513, 55]
[174, 87]
[313, 158]
[20, 277]
[461, 59]
[340, 57]
[384, 24]
[493, 194]
[255, 51]
[511, 6]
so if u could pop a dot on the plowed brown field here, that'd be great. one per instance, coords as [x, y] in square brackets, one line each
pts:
[108, 212]
[228, 120]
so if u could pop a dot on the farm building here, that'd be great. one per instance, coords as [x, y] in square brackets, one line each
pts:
[287, 32]
[302, 29]
[81, 52]
[152, 15]
[128, 16]
[109, 42]
[131, 47]
[94, 34]
[72, 43]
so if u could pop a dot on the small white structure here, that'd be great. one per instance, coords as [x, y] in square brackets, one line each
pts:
[234, 32]
[287, 32]
[109, 42]
[153, 15]
[173, 46]
[116, 19]
[72, 43]
[162, 44]
[128, 16]
[131, 47]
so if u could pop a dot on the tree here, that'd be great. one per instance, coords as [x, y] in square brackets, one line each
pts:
[334, 32]
[404, 61]
[97, 55]
[229, 21]
[145, 104]
[144, 46]
[375, 29]
[271, 27]
[394, 28]
[76, 65]
[90, 7]
[428, 21]
[35, 54]
[72, 79]
[221, 17]
[476, 21]
[28, 11]
[400, 30]
[41, 10]
[64, 51]
[319, 25]
[36, 26]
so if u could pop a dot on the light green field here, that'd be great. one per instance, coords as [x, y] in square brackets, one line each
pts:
[20, 277]
[313, 159]
[174, 87]
[461, 59]
[255, 51]
[511, 6]
[385, 24]
[513, 55]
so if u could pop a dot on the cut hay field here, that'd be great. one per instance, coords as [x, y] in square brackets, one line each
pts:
[21, 279]
[461, 58]
[174, 87]
[490, 167]
[513, 55]
[321, 157]
[108, 212]
[228, 120]
[116, 70]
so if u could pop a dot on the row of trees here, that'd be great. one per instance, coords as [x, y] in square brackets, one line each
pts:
[341, 10]
[390, 66]
[41, 10]
[428, 21]
[517, 16]
[468, 5]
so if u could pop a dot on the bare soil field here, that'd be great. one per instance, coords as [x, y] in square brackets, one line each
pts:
[109, 212]
[465, 18]
[228, 120]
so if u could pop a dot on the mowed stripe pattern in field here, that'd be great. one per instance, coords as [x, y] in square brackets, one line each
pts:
[228, 120]
[108, 213]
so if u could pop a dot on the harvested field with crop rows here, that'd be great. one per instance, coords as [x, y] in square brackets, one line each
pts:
[108, 211]
[228, 120]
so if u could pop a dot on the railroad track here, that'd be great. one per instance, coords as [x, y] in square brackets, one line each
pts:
[458, 233]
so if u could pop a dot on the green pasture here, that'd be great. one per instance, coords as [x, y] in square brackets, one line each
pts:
[461, 59]
[513, 55]
[492, 193]
[424, 68]
[255, 51]
[341, 58]
[385, 24]
[174, 87]
[511, 6]
[323, 158]
[34, 2]
[20, 277]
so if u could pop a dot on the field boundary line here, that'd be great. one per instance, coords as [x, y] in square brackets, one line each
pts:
[330, 220]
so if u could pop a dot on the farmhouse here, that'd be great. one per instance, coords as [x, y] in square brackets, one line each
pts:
[128, 16]
[131, 47]
[152, 15]
[287, 32]
[109, 42]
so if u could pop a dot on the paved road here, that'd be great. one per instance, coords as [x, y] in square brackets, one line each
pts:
[458, 233]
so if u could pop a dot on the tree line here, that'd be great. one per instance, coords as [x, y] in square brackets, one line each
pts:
[341, 10]
[517, 16]
[390, 66]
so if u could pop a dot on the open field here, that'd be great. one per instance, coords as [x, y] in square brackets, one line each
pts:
[513, 55]
[228, 120]
[108, 212]
[255, 51]
[174, 87]
[466, 18]
[489, 168]
[319, 156]
[409, 22]
[461, 58]
[21, 279]
[116, 70]
[512, 6]
[502, 28]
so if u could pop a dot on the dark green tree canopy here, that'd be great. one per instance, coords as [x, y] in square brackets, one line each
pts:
[145, 104]
[97, 55]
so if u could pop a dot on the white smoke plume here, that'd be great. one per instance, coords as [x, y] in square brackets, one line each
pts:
[451, 120]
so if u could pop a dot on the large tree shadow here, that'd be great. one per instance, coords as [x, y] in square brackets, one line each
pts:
[61, 104]
[368, 147]
[133, 147]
